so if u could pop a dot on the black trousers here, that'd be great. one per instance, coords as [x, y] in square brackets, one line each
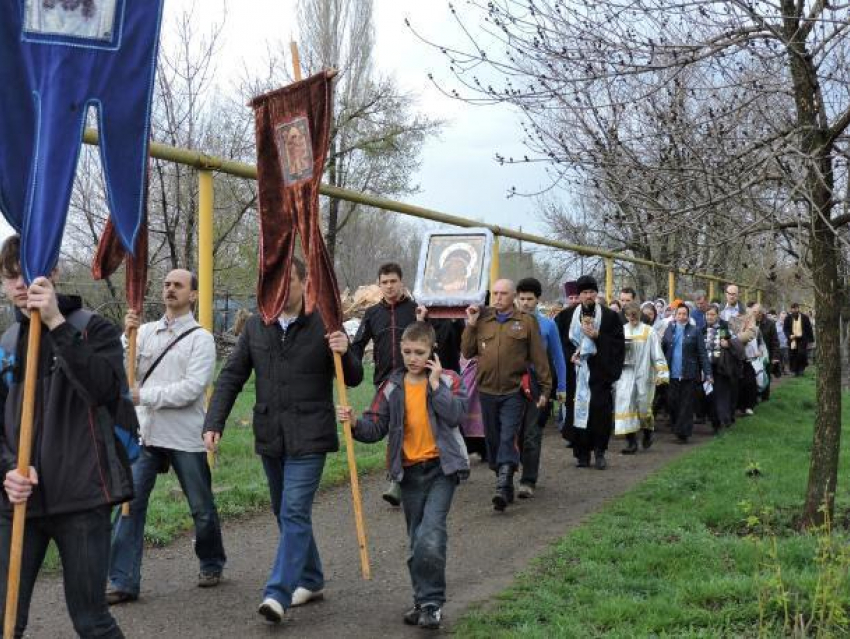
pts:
[531, 442]
[798, 360]
[82, 539]
[747, 388]
[681, 400]
[600, 424]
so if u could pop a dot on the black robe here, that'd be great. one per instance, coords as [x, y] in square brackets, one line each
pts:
[605, 369]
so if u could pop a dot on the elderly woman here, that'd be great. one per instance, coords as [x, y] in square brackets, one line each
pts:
[688, 362]
[644, 367]
[726, 356]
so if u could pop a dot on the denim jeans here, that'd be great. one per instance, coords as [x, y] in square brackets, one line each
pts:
[82, 539]
[502, 415]
[128, 535]
[293, 482]
[426, 497]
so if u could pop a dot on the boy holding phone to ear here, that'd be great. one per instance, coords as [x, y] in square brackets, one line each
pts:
[420, 408]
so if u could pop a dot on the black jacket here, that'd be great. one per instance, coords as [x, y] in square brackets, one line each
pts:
[607, 365]
[80, 466]
[294, 412]
[771, 339]
[695, 362]
[808, 334]
[383, 324]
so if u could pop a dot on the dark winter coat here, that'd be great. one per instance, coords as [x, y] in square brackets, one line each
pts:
[607, 365]
[770, 337]
[694, 356]
[446, 408]
[294, 411]
[80, 464]
[383, 324]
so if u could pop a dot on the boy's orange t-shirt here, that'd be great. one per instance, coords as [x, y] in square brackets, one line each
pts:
[419, 444]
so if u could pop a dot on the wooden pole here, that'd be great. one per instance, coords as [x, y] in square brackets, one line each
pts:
[132, 343]
[352, 472]
[24, 455]
[342, 396]
[206, 199]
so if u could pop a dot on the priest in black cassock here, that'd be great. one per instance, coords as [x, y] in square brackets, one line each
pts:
[594, 346]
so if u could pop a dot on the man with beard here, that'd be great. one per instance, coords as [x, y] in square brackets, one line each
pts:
[594, 343]
[798, 328]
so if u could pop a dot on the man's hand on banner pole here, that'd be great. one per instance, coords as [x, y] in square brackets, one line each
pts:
[18, 487]
[338, 342]
[42, 297]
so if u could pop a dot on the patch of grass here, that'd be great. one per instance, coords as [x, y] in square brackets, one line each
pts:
[675, 556]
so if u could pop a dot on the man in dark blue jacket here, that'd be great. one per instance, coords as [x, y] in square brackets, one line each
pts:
[294, 429]
[689, 365]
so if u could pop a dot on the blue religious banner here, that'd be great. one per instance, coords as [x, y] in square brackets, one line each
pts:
[57, 59]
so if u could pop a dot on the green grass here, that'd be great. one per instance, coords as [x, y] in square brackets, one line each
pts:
[675, 557]
[238, 478]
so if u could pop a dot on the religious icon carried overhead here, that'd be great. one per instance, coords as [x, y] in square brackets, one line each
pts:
[295, 150]
[86, 19]
[454, 269]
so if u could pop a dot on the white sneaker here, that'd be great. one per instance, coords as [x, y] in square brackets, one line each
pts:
[271, 610]
[748, 412]
[302, 596]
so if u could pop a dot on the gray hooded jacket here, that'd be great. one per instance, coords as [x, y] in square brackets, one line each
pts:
[446, 408]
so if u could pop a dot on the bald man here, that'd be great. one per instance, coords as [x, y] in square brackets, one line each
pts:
[174, 365]
[506, 342]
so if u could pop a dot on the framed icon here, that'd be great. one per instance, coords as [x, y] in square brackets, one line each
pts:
[86, 23]
[454, 269]
[295, 150]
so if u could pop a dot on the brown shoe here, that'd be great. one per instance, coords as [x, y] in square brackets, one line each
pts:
[115, 596]
[209, 579]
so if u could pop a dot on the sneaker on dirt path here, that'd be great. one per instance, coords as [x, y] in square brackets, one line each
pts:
[525, 491]
[302, 596]
[272, 610]
[411, 617]
[209, 579]
[430, 617]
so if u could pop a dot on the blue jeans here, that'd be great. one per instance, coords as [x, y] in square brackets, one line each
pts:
[426, 497]
[83, 542]
[293, 482]
[502, 416]
[128, 535]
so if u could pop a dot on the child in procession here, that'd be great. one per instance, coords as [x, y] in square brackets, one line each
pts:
[420, 408]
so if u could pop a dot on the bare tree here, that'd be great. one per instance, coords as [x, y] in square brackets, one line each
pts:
[724, 121]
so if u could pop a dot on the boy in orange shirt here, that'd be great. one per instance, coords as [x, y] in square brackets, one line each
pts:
[420, 407]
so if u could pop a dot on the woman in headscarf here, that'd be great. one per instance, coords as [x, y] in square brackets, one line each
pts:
[726, 356]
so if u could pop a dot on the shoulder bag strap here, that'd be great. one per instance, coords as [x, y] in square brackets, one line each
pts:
[171, 345]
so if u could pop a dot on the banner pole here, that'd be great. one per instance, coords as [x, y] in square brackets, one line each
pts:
[24, 455]
[342, 396]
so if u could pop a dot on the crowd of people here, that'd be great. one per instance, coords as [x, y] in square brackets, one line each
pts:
[485, 383]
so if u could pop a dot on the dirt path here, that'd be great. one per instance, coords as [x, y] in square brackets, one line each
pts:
[486, 551]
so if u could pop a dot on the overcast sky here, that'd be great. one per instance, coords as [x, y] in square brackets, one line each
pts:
[459, 174]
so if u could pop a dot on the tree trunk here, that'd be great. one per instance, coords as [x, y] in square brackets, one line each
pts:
[823, 468]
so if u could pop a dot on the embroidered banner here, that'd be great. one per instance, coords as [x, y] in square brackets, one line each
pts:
[292, 129]
[58, 58]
